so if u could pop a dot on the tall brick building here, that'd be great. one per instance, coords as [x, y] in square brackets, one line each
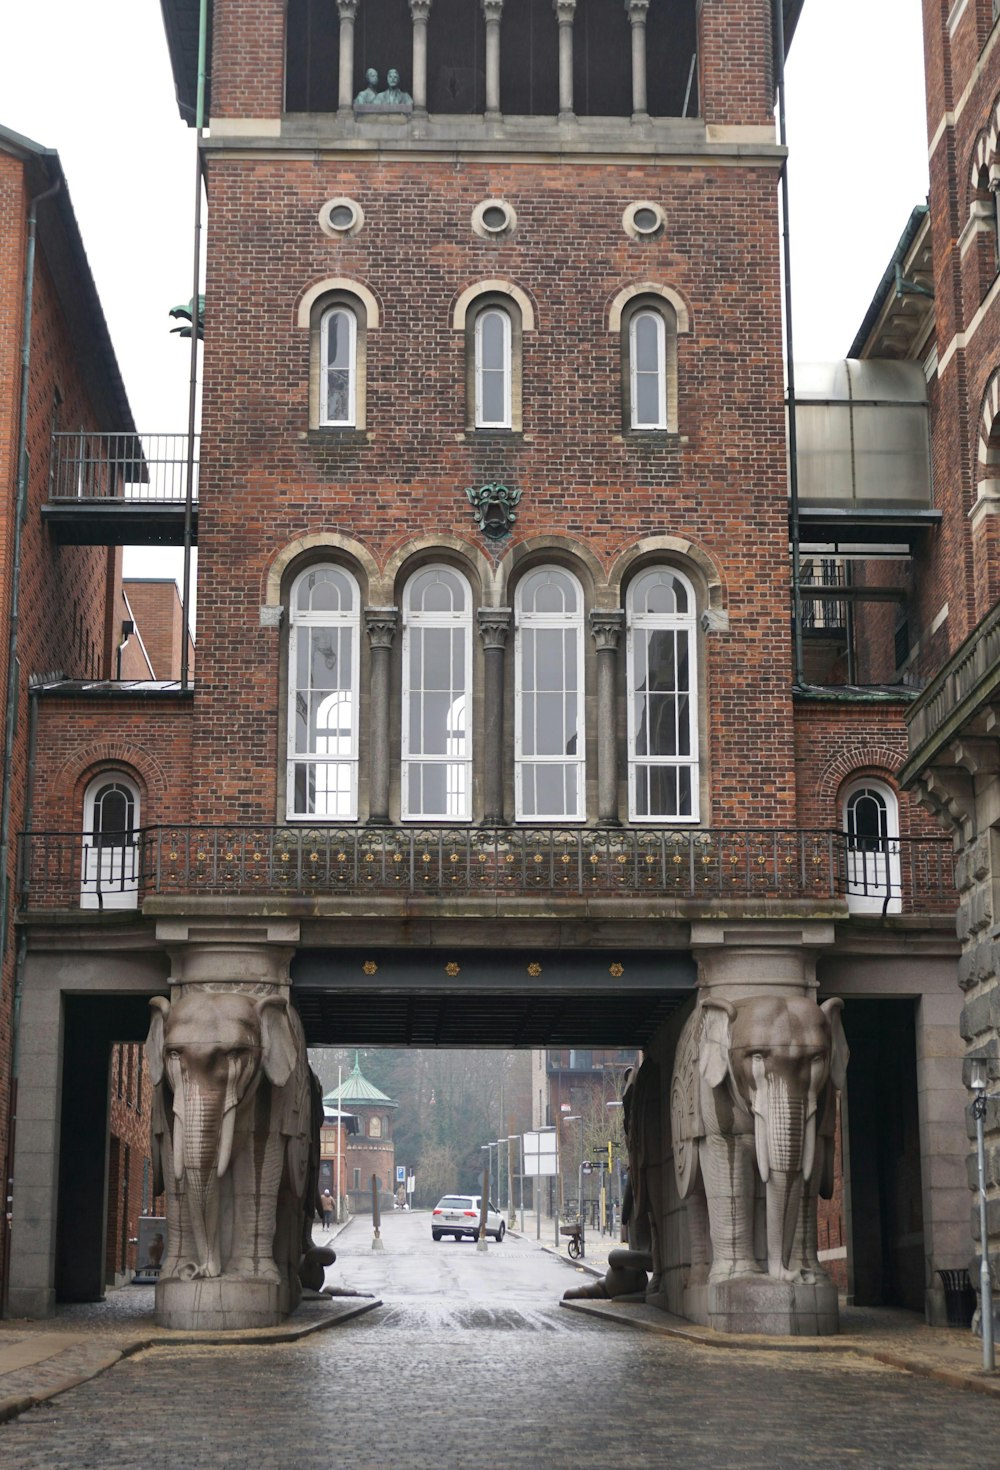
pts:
[509, 726]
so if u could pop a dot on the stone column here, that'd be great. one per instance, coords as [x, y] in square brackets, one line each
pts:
[494, 627]
[565, 10]
[347, 10]
[637, 19]
[380, 625]
[492, 10]
[606, 628]
[420, 11]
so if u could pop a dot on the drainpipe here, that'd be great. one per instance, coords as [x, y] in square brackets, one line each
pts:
[20, 514]
[199, 121]
[793, 461]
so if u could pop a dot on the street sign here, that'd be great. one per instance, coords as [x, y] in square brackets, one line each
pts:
[400, 1173]
[588, 1167]
[540, 1154]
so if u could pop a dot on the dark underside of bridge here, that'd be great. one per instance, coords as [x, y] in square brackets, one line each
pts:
[488, 998]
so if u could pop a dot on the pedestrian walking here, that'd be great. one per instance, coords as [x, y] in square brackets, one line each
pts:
[327, 1201]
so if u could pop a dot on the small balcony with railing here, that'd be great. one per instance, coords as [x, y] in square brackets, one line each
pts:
[695, 868]
[122, 489]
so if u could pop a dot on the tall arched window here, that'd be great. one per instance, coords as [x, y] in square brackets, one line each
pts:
[322, 735]
[493, 368]
[338, 367]
[549, 761]
[648, 368]
[110, 866]
[871, 822]
[662, 653]
[437, 697]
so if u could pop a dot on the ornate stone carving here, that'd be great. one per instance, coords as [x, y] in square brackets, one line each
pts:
[393, 96]
[420, 11]
[494, 508]
[565, 11]
[235, 1143]
[347, 9]
[492, 11]
[494, 626]
[380, 625]
[637, 11]
[753, 1096]
[369, 94]
[606, 628]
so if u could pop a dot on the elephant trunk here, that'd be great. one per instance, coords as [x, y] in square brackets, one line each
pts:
[201, 1127]
[785, 1139]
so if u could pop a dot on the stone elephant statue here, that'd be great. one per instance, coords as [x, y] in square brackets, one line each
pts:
[235, 1136]
[753, 1096]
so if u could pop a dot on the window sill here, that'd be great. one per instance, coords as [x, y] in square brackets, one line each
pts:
[485, 436]
[662, 438]
[329, 434]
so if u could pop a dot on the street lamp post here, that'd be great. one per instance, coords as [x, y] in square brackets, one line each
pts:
[978, 1076]
[578, 1118]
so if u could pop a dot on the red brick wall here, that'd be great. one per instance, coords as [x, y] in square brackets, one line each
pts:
[156, 606]
[130, 1165]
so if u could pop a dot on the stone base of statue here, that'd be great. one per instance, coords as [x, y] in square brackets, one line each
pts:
[220, 1304]
[762, 1304]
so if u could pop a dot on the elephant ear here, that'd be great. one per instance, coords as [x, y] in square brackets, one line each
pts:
[717, 1017]
[159, 1008]
[840, 1053]
[279, 1048]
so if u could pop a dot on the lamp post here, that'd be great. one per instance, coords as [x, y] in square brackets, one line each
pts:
[578, 1118]
[978, 1077]
[617, 1103]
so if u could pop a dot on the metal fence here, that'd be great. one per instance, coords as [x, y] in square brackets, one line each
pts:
[63, 870]
[130, 467]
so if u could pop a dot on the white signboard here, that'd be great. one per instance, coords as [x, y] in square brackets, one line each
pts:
[540, 1153]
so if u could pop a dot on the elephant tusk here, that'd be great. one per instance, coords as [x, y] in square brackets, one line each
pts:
[178, 1144]
[760, 1121]
[226, 1140]
[809, 1147]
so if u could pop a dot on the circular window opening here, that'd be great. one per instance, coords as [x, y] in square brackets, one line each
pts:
[340, 217]
[492, 218]
[645, 220]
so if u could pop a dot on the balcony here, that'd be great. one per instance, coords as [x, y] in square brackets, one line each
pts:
[957, 700]
[64, 871]
[120, 489]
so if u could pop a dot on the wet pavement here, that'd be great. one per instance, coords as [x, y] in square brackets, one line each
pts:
[471, 1358]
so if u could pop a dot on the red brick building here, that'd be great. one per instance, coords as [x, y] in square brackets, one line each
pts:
[369, 1150]
[504, 731]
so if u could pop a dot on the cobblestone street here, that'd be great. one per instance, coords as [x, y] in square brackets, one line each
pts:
[471, 1360]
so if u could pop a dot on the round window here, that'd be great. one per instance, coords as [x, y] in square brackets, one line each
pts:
[340, 217]
[643, 220]
[493, 218]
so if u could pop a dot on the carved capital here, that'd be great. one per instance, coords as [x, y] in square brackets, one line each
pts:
[606, 628]
[637, 11]
[565, 10]
[420, 10]
[380, 625]
[347, 9]
[494, 626]
[492, 11]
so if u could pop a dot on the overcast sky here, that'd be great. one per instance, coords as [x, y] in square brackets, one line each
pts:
[93, 81]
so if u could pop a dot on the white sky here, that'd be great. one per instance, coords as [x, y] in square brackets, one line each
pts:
[93, 81]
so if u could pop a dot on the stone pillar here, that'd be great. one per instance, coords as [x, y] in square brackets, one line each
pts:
[347, 10]
[380, 625]
[565, 11]
[637, 19]
[494, 627]
[606, 628]
[420, 11]
[492, 10]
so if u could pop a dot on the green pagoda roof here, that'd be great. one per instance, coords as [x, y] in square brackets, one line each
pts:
[357, 1089]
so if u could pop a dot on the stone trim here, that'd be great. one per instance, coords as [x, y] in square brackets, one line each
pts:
[464, 300]
[625, 294]
[345, 284]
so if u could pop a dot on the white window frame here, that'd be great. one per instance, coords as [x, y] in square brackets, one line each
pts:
[414, 624]
[873, 878]
[305, 621]
[350, 422]
[525, 621]
[508, 368]
[639, 624]
[109, 875]
[660, 422]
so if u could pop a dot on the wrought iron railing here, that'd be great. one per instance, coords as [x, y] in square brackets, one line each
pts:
[65, 870]
[126, 467]
[968, 679]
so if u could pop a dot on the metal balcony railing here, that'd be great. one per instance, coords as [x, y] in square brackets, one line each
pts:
[122, 467]
[968, 681]
[60, 870]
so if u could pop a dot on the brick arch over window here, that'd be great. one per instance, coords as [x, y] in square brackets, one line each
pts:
[411, 550]
[671, 548]
[878, 761]
[319, 541]
[83, 766]
[618, 302]
[493, 287]
[560, 550]
[988, 467]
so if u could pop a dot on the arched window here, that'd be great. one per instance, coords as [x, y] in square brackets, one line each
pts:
[338, 367]
[111, 850]
[322, 732]
[648, 368]
[375, 1127]
[549, 758]
[493, 368]
[437, 697]
[871, 822]
[662, 678]
[649, 321]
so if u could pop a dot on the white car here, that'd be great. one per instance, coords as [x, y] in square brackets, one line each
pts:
[458, 1215]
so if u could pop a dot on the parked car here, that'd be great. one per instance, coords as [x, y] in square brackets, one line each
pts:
[458, 1215]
